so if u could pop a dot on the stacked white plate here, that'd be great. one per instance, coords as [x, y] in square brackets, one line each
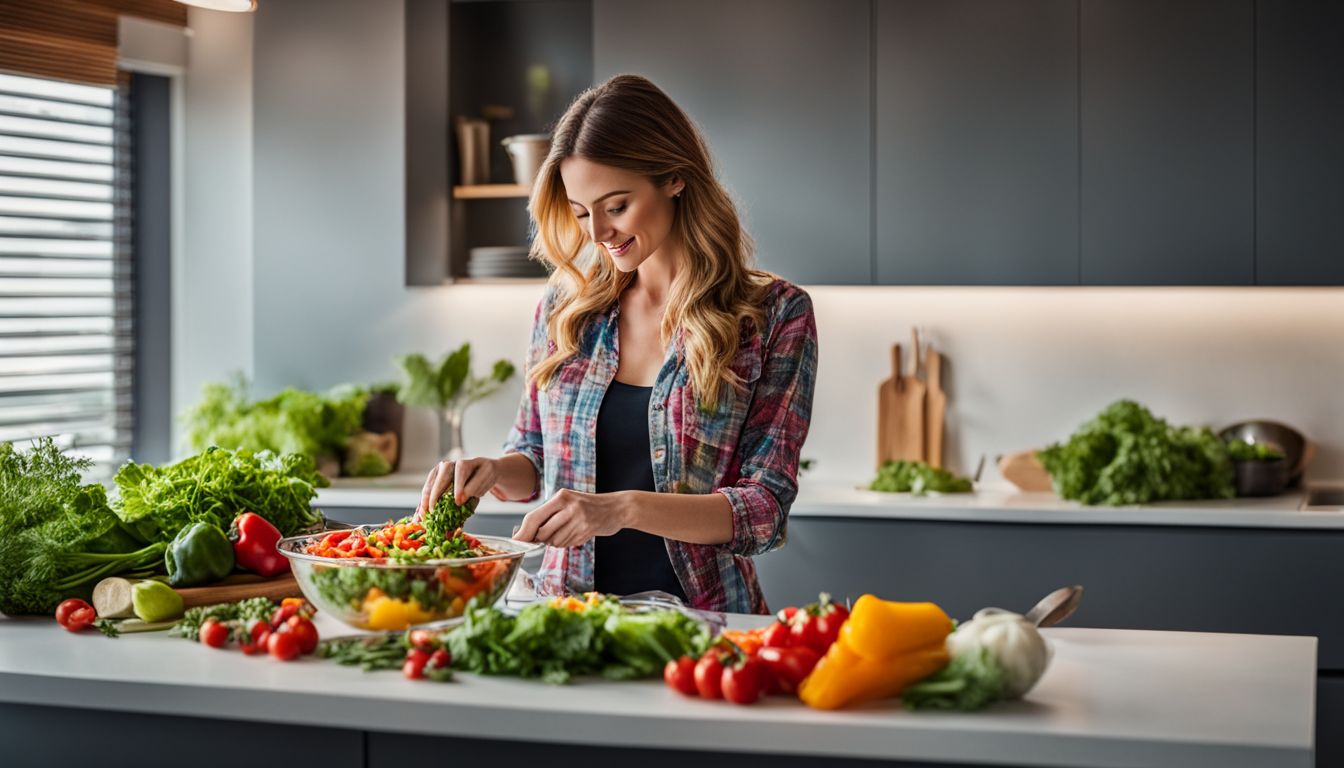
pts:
[503, 261]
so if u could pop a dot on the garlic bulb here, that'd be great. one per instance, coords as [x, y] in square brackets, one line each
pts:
[1015, 642]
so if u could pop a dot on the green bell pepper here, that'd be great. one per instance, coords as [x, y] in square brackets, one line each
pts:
[198, 554]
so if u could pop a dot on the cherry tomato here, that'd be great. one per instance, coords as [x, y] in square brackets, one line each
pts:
[744, 682]
[788, 666]
[422, 639]
[786, 615]
[213, 634]
[304, 631]
[282, 613]
[75, 614]
[414, 665]
[709, 676]
[806, 632]
[283, 646]
[256, 640]
[440, 659]
[777, 635]
[679, 675]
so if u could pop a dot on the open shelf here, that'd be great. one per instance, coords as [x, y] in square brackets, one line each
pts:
[479, 191]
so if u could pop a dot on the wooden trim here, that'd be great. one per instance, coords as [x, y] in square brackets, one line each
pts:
[73, 40]
[165, 11]
[478, 191]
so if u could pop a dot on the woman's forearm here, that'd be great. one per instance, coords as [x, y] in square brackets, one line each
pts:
[705, 518]
[517, 477]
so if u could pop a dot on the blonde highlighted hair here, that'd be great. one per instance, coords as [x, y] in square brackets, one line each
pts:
[629, 123]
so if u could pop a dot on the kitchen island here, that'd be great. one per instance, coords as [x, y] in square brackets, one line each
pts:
[1247, 566]
[1110, 698]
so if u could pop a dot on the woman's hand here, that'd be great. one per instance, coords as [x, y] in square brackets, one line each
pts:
[571, 518]
[469, 477]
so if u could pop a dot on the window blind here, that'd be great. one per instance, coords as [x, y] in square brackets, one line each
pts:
[66, 341]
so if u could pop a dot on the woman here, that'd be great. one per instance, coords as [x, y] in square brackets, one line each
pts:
[669, 384]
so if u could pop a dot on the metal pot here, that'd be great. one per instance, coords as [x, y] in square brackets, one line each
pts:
[528, 152]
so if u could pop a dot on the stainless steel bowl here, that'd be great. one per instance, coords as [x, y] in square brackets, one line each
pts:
[383, 594]
[1289, 440]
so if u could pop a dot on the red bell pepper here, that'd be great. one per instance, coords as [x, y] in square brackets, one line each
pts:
[254, 542]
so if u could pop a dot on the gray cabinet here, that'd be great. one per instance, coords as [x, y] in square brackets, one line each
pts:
[1299, 153]
[781, 90]
[1167, 172]
[976, 142]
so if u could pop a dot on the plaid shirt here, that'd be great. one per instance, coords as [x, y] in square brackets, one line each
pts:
[746, 449]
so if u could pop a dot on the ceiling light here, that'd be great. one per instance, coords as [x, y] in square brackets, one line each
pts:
[235, 6]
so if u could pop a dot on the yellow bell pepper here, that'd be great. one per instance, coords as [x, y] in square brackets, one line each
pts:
[883, 647]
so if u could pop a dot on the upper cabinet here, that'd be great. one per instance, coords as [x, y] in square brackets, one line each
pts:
[1167, 142]
[781, 89]
[977, 142]
[1299, 143]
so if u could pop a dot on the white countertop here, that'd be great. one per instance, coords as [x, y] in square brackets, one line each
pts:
[1110, 698]
[988, 504]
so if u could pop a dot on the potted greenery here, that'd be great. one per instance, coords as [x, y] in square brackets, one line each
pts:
[449, 387]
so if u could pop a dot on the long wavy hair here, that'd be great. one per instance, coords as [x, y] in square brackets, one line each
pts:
[717, 296]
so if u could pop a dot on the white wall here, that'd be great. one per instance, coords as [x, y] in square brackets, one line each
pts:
[212, 281]
[1026, 366]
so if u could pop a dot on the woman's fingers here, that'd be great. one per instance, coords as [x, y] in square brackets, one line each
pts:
[441, 481]
[553, 526]
[425, 491]
[569, 535]
[471, 479]
[533, 521]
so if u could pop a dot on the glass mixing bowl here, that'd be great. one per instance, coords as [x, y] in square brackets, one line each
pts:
[383, 594]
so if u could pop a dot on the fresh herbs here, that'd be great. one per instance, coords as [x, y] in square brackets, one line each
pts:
[1126, 455]
[555, 641]
[217, 485]
[58, 537]
[244, 612]
[446, 517]
[370, 652]
[918, 478]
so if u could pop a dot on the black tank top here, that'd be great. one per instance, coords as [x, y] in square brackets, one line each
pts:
[629, 561]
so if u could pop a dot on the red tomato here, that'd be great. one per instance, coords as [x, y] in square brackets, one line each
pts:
[304, 631]
[788, 666]
[256, 640]
[679, 675]
[828, 628]
[744, 682]
[806, 632]
[709, 676]
[786, 615]
[75, 614]
[214, 634]
[414, 666]
[283, 646]
[282, 613]
[777, 635]
[422, 639]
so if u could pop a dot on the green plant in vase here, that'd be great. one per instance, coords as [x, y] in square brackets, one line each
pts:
[449, 387]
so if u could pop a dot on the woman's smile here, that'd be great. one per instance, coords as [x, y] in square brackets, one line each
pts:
[619, 249]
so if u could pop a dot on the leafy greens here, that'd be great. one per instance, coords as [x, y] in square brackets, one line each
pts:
[217, 485]
[918, 478]
[58, 537]
[293, 421]
[1126, 455]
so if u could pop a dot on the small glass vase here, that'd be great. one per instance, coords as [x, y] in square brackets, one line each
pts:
[450, 434]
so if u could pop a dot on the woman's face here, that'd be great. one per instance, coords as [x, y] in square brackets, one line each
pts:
[622, 212]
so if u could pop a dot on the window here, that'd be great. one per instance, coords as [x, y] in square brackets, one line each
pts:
[66, 341]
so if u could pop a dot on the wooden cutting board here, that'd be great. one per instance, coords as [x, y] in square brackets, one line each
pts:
[900, 413]
[935, 409]
[1024, 470]
[241, 586]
